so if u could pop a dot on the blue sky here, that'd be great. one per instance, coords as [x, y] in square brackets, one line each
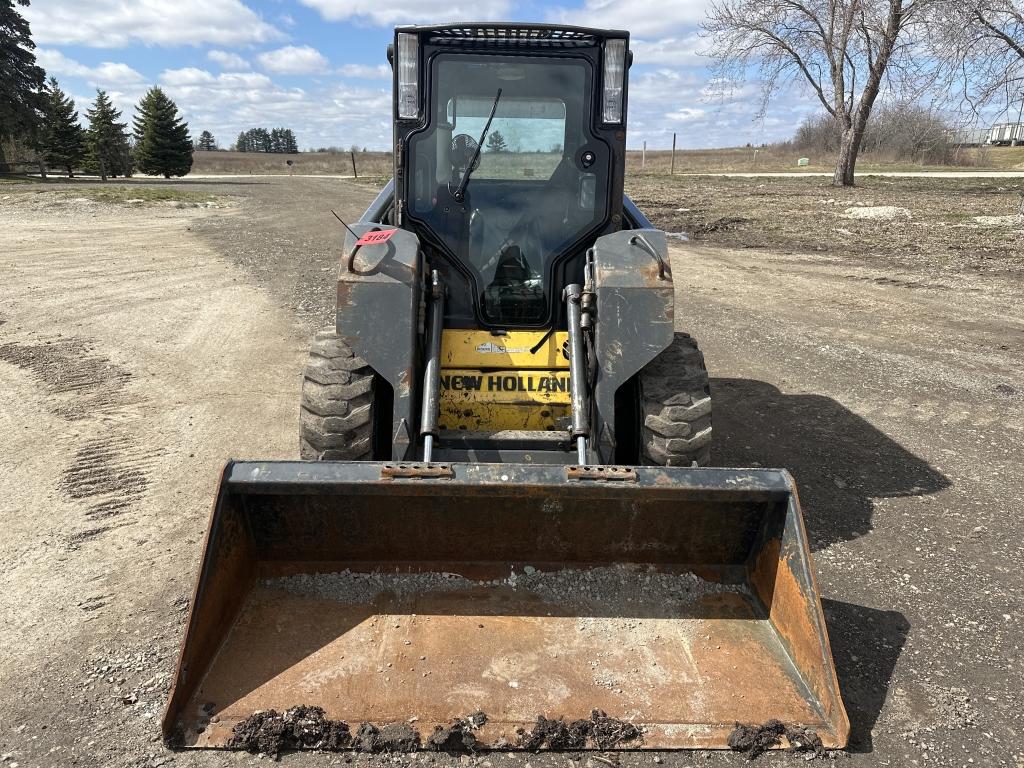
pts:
[318, 66]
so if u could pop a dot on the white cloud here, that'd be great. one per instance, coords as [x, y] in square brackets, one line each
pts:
[231, 102]
[294, 60]
[117, 23]
[105, 75]
[409, 11]
[645, 18]
[687, 115]
[227, 60]
[186, 76]
[365, 71]
[673, 51]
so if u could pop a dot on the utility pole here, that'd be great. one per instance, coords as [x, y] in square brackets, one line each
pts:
[354, 173]
[673, 171]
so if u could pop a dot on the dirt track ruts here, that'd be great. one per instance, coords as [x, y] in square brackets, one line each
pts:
[141, 348]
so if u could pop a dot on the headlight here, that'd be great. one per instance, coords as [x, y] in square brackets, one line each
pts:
[614, 76]
[408, 76]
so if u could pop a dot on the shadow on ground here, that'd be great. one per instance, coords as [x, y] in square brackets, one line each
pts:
[841, 462]
[866, 644]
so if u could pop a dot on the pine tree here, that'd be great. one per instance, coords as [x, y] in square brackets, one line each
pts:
[291, 146]
[162, 143]
[63, 139]
[496, 143]
[22, 81]
[259, 138]
[107, 138]
[206, 142]
[242, 142]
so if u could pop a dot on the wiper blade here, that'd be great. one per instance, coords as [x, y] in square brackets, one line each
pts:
[461, 189]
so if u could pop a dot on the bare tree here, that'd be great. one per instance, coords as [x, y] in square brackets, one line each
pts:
[845, 51]
[982, 42]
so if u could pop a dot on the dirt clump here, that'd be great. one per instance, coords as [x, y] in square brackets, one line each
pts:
[599, 731]
[270, 732]
[457, 736]
[754, 740]
[396, 737]
[607, 732]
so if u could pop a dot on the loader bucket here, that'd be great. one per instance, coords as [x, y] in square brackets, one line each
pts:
[680, 600]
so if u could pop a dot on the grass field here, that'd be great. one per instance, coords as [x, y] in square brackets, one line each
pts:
[304, 163]
[738, 159]
[112, 192]
[782, 159]
[931, 224]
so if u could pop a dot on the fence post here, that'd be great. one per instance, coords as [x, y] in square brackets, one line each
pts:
[643, 156]
[355, 173]
[673, 171]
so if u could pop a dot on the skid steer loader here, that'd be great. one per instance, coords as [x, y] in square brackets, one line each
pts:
[502, 505]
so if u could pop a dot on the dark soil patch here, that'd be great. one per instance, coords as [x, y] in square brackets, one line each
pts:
[298, 728]
[599, 731]
[396, 737]
[458, 736]
[271, 733]
[754, 740]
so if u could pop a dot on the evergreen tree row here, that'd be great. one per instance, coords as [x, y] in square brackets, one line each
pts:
[101, 148]
[280, 140]
[160, 144]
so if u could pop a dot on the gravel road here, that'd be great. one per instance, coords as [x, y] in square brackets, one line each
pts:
[141, 347]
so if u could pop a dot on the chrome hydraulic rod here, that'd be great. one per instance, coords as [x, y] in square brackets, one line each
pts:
[432, 369]
[577, 372]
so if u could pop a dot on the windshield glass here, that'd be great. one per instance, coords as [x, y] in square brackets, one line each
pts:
[536, 186]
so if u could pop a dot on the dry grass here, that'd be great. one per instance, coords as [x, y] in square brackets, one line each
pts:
[377, 165]
[110, 192]
[797, 215]
[783, 159]
[327, 163]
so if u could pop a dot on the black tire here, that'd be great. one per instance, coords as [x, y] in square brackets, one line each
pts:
[336, 416]
[675, 407]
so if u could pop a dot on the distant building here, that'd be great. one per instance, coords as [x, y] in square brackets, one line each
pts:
[1006, 134]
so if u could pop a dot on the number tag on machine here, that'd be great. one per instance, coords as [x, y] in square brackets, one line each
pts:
[376, 238]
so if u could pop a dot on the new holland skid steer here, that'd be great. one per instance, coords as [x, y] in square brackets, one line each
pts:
[503, 504]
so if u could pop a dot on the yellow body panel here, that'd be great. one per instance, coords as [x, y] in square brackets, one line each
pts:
[481, 349]
[491, 383]
[484, 401]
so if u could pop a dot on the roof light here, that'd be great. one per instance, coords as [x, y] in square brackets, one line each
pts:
[614, 77]
[408, 76]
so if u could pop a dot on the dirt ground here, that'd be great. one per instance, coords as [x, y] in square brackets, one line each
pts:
[932, 227]
[143, 344]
